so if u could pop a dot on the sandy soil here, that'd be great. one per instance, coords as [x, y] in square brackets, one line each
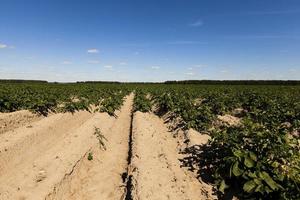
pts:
[229, 120]
[13, 120]
[47, 158]
[155, 166]
[101, 178]
[35, 162]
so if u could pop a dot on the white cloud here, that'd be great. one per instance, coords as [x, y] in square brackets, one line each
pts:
[93, 61]
[197, 23]
[123, 63]
[2, 46]
[224, 71]
[200, 66]
[155, 67]
[190, 73]
[93, 51]
[136, 53]
[66, 62]
[108, 67]
[185, 42]
[190, 68]
[292, 70]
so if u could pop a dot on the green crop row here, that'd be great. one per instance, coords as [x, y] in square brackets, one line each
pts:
[43, 98]
[259, 158]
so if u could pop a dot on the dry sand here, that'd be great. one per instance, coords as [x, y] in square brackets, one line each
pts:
[101, 178]
[38, 162]
[156, 170]
[13, 120]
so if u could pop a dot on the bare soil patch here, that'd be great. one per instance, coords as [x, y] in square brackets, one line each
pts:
[13, 120]
[156, 169]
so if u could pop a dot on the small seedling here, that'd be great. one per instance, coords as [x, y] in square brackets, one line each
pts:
[100, 138]
[90, 156]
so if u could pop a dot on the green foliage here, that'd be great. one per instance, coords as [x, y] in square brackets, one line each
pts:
[43, 98]
[141, 102]
[265, 163]
[90, 156]
[259, 159]
[101, 138]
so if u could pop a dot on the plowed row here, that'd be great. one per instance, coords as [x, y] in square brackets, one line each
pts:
[47, 158]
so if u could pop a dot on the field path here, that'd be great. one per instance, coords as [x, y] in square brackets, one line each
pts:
[156, 170]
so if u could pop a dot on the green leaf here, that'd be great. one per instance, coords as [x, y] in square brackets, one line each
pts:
[236, 170]
[253, 156]
[267, 189]
[249, 186]
[280, 177]
[238, 153]
[223, 186]
[249, 162]
[267, 178]
[252, 175]
[260, 189]
[257, 181]
[275, 164]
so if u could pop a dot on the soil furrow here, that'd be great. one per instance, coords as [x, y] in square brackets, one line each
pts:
[157, 174]
[35, 177]
[101, 177]
[40, 136]
[58, 186]
[127, 176]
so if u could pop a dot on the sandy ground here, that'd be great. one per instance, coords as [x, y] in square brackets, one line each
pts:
[47, 158]
[10, 121]
[156, 168]
[33, 160]
[37, 162]
[101, 178]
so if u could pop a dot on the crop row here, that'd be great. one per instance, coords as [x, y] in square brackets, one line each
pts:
[44, 98]
[257, 158]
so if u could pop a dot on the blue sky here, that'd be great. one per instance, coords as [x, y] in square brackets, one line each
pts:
[149, 40]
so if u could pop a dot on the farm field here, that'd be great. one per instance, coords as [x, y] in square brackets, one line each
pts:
[149, 141]
[150, 100]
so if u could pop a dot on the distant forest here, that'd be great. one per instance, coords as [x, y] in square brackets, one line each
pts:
[21, 81]
[201, 82]
[236, 82]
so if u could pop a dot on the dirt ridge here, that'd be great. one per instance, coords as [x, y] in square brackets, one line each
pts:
[101, 177]
[156, 170]
[66, 176]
